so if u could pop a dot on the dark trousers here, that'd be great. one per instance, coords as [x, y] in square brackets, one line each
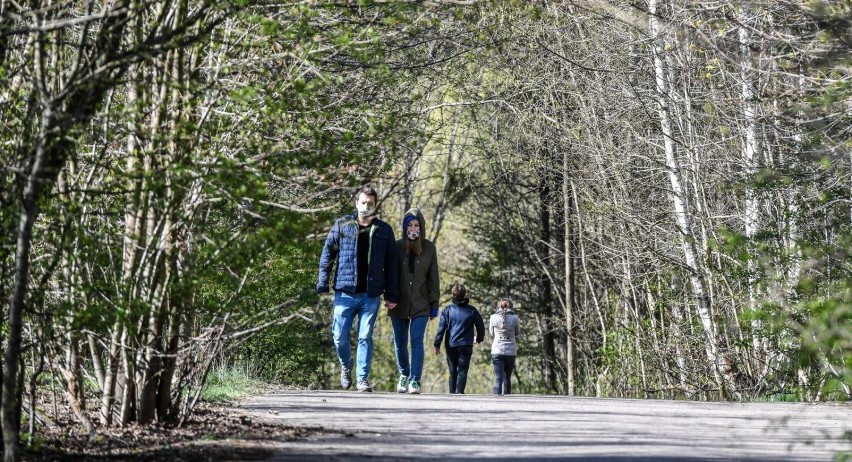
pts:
[458, 359]
[503, 367]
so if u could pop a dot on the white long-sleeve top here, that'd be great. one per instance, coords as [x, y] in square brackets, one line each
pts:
[504, 335]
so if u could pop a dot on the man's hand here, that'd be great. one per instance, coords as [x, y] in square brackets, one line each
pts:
[437, 350]
[390, 305]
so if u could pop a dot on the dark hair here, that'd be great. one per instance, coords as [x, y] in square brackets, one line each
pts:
[415, 246]
[459, 291]
[368, 190]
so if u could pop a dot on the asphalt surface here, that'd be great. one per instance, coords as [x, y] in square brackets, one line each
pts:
[400, 427]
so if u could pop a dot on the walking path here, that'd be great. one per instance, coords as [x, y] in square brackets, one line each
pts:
[396, 427]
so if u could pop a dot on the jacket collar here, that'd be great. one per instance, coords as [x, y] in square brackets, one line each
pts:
[353, 217]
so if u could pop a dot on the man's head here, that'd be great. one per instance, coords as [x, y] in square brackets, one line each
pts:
[365, 201]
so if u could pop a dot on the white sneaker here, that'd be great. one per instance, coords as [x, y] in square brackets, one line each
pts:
[414, 387]
[402, 384]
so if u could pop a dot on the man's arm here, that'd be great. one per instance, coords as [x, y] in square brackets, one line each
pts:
[391, 271]
[328, 257]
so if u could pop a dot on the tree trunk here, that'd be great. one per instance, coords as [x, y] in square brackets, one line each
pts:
[569, 275]
[676, 327]
[7, 232]
[16, 309]
[590, 287]
[131, 249]
[128, 392]
[751, 148]
[447, 184]
[110, 373]
[43, 170]
[73, 380]
[164, 397]
[683, 220]
[548, 343]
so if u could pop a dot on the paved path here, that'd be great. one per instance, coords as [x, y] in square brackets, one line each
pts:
[391, 427]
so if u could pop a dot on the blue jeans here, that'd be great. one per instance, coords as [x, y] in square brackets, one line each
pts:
[416, 329]
[346, 306]
[503, 367]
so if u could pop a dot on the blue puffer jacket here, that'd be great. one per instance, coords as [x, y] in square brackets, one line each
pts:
[341, 247]
[457, 321]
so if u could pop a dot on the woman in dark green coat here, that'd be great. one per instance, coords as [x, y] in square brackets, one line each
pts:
[419, 292]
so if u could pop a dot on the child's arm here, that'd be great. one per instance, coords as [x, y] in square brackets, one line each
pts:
[442, 327]
[480, 326]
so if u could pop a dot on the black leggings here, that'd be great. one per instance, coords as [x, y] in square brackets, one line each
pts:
[458, 359]
[503, 367]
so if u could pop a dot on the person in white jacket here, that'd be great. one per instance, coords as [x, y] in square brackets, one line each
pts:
[505, 328]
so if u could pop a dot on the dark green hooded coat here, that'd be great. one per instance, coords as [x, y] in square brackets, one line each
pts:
[419, 290]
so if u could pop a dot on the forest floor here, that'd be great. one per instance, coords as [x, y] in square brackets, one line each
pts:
[214, 432]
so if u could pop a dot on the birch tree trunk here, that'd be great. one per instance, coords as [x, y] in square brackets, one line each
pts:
[751, 147]
[683, 219]
[133, 244]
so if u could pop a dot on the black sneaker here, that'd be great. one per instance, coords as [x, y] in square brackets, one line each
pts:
[346, 378]
[364, 386]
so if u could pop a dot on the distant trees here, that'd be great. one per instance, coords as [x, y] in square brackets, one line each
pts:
[658, 187]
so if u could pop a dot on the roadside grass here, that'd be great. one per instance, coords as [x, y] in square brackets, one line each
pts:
[230, 383]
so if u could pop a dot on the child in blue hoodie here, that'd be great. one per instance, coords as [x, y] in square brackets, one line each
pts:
[457, 321]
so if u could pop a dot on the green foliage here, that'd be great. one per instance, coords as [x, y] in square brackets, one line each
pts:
[827, 338]
[293, 354]
[33, 443]
[226, 383]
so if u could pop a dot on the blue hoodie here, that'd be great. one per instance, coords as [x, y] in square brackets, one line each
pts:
[458, 321]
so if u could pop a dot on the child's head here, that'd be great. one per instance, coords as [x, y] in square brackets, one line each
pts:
[459, 291]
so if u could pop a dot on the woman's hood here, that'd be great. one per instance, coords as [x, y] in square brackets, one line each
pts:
[415, 212]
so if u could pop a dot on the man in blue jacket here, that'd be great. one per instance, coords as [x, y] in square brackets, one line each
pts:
[363, 249]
